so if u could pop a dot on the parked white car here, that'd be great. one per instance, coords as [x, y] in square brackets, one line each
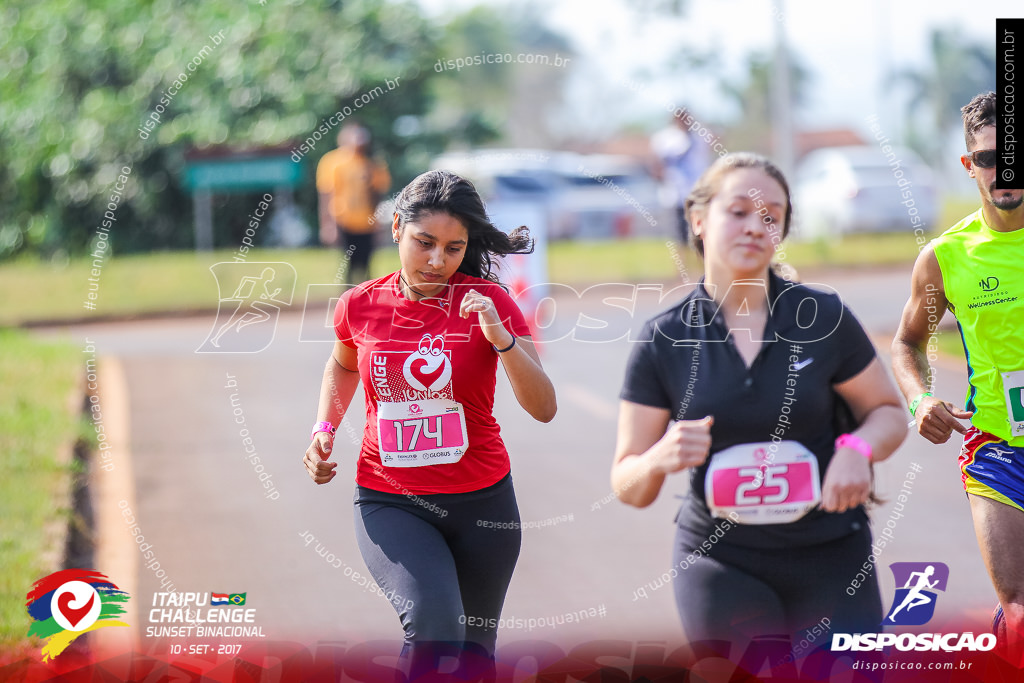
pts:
[583, 196]
[856, 189]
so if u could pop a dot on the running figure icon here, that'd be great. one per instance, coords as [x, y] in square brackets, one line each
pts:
[250, 299]
[916, 595]
[250, 310]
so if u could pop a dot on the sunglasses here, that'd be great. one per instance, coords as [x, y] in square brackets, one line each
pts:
[984, 158]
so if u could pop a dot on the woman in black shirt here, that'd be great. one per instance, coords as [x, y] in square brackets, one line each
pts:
[737, 386]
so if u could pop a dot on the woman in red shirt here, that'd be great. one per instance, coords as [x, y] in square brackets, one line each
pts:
[436, 516]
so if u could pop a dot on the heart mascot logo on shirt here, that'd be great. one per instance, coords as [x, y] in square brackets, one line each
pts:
[428, 369]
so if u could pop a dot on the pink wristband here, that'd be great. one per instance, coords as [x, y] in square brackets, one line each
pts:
[323, 426]
[856, 443]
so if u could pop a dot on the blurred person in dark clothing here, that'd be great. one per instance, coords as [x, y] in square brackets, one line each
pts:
[683, 157]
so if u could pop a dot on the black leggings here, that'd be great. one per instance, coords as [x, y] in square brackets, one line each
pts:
[735, 593]
[448, 559]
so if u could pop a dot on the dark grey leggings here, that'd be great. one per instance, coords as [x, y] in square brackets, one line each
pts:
[734, 593]
[448, 559]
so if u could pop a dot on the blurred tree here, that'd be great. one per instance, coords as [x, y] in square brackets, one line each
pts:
[956, 72]
[78, 81]
[537, 87]
[753, 130]
[472, 87]
[502, 72]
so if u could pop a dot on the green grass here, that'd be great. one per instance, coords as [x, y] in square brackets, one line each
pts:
[146, 283]
[37, 420]
[182, 281]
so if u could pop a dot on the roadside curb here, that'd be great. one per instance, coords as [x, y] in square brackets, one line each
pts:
[146, 316]
[115, 318]
[116, 555]
[59, 531]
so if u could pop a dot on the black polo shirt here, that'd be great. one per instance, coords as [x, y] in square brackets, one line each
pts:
[687, 363]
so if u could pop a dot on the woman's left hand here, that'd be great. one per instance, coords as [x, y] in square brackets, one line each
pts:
[490, 322]
[847, 481]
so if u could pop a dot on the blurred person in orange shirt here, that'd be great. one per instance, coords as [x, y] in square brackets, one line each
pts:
[350, 184]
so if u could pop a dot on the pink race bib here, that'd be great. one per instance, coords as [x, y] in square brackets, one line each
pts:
[419, 433]
[763, 483]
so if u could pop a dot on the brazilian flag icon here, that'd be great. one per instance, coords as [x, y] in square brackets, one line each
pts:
[237, 598]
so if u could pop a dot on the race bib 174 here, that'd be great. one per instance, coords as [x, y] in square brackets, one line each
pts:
[418, 433]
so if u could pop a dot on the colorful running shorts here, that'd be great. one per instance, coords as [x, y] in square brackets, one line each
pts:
[991, 468]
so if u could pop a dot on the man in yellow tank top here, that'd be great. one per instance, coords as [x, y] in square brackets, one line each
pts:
[976, 270]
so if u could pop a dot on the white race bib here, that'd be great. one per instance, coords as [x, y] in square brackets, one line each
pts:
[419, 433]
[1013, 386]
[763, 483]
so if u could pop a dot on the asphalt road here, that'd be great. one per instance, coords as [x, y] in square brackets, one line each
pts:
[213, 525]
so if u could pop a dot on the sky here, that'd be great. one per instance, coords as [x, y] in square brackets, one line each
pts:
[850, 48]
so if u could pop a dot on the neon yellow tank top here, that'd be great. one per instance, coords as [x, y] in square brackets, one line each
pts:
[983, 274]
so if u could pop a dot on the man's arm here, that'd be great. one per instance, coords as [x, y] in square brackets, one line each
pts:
[325, 190]
[936, 419]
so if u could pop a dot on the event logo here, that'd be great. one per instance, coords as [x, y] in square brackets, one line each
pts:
[185, 614]
[68, 603]
[914, 603]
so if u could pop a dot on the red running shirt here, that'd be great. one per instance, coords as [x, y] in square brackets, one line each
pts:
[413, 351]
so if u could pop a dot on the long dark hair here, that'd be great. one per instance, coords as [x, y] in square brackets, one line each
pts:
[445, 192]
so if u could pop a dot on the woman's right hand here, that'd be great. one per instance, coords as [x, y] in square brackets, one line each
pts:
[320, 470]
[685, 444]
